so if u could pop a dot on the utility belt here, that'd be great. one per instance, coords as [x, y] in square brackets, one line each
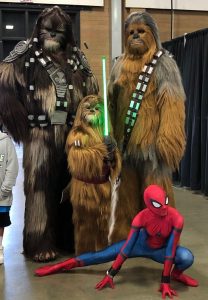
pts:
[43, 120]
[58, 78]
[100, 179]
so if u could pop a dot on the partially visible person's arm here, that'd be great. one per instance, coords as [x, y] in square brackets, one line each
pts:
[11, 170]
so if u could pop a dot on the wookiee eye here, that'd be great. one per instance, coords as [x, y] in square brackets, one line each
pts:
[48, 30]
[96, 108]
[131, 32]
[87, 105]
[141, 31]
[60, 31]
[60, 28]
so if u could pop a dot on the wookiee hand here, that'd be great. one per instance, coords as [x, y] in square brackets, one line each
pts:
[166, 290]
[77, 143]
[111, 144]
[107, 280]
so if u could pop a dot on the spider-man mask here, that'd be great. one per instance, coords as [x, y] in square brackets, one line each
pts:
[156, 200]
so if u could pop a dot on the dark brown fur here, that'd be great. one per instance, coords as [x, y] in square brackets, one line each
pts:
[157, 141]
[44, 159]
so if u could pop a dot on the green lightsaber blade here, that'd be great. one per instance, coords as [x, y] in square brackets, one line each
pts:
[105, 96]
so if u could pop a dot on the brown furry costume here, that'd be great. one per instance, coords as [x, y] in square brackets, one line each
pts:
[157, 141]
[33, 109]
[90, 185]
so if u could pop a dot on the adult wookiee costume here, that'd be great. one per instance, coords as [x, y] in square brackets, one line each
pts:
[147, 108]
[41, 84]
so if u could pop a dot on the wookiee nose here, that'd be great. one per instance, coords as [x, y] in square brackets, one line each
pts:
[135, 36]
[52, 34]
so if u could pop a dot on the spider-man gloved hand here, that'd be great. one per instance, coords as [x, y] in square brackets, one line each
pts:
[107, 280]
[165, 288]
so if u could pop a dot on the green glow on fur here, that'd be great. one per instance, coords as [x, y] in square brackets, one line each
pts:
[98, 120]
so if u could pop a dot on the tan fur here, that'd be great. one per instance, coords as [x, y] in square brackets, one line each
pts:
[157, 140]
[6, 74]
[91, 202]
[49, 98]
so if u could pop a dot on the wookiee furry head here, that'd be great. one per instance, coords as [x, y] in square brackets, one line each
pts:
[140, 32]
[54, 29]
[90, 112]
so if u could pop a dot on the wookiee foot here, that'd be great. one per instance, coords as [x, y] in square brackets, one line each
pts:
[45, 256]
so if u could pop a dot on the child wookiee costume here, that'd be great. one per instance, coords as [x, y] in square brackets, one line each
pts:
[95, 165]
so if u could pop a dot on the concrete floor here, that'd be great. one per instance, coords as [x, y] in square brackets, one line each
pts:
[138, 279]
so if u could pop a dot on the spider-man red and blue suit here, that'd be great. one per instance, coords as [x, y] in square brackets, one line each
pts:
[154, 234]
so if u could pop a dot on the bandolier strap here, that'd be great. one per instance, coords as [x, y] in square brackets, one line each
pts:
[137, 97]
[58, 78]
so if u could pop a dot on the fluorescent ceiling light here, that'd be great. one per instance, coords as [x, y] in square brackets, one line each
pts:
[10, 27]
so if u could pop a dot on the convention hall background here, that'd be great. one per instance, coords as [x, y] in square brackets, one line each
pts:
[184, 33]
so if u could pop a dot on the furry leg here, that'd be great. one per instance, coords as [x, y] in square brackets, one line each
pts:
[103, 221]
[85, 230]
[161, 176]
[40, 164]
[129, 203]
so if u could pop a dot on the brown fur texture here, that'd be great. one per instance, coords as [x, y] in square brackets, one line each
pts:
[157, 140]
[91, 199]
[44, 160]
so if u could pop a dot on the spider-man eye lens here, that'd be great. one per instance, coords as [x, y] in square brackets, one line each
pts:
[166, 201]
[156, 204]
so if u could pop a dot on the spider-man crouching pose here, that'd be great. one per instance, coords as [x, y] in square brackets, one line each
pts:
[155, 233]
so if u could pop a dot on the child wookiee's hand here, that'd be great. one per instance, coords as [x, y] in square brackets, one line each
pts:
[110, 143]
[77, 143]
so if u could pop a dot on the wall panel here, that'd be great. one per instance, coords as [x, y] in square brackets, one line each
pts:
[183, 21]
[95, 31]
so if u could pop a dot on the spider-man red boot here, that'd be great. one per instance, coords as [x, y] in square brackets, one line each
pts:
[62, 266]
[178, 275]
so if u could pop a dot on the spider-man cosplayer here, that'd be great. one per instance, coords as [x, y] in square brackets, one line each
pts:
[155, 233]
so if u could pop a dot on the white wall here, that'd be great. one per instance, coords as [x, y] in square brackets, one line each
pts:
[166, 4]
[116, 28]
[63, 2]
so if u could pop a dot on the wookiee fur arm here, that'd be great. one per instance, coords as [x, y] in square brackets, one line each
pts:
[92, 85]
[12, 111]
[113, 92]
[170, 143]
[85, 159]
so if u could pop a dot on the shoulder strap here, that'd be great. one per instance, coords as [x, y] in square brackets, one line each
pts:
[81, 61]
[58, 78]
[18, 50]
[137, 97]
